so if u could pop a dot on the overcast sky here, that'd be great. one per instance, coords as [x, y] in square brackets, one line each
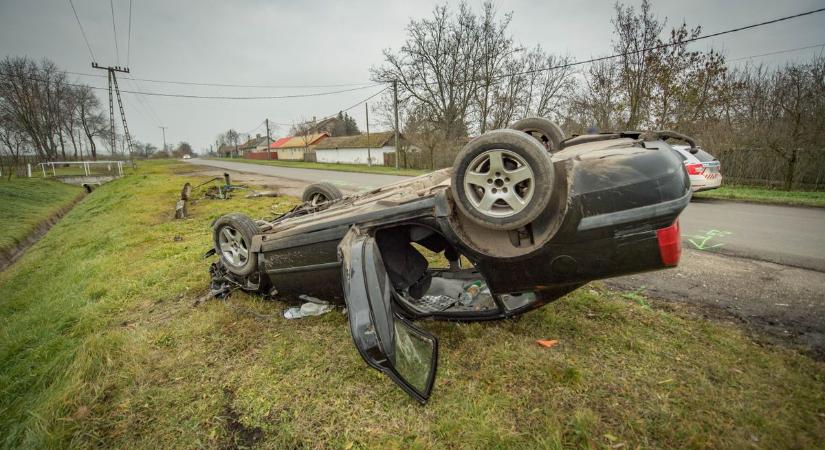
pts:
[324, 42]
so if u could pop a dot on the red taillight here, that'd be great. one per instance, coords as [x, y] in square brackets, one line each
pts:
[670, 244]
[695, 169]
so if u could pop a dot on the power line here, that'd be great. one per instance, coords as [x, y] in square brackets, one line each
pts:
[129, 38]
[257, 86]
[779, 52]
[215, 97]
[647, 49]
[271, 97]
[114, 27]
[333, 114]
[661, 46]
[91, 53]
[256, 128]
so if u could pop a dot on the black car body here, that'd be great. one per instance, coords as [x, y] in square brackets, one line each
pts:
[612, 210]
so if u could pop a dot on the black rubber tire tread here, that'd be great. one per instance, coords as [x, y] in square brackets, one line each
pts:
[533, 153]
[329, 190]
[247, 228]
[546, 127]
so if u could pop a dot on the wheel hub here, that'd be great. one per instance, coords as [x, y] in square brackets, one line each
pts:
[499, 183]
[232, 246]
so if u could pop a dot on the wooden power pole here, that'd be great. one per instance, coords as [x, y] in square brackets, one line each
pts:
[395, 105]
[369, 152]
[268, 143]
[164, 137]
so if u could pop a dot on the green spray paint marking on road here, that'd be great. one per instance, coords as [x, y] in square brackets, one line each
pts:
[701, 241]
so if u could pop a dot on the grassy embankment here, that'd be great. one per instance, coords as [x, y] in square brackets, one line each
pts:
[332, 166]
[766, 195]
[27, 202]
[100, 346]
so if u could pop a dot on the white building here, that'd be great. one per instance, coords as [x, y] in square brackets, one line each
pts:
[356, 149]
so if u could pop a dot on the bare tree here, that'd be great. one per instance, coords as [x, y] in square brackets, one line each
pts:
[597, 106]
[635, 34]
[12, 145]
[91, 118]
[437, 67]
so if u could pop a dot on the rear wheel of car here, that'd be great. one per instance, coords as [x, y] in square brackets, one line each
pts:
[545, 131]
[233, 241]
[502, 180]
[320, 193]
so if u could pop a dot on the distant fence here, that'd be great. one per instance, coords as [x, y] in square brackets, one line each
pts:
[260, 155]
[32, 166]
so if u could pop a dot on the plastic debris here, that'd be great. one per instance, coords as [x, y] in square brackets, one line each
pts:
[306, 310]
[471, 292]
[257, 194]
[547, 342]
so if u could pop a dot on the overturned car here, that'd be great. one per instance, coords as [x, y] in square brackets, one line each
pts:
[523, 217]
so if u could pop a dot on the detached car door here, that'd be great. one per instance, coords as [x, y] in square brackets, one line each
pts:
[386, 341]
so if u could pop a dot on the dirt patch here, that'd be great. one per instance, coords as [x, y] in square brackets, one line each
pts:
[782, 304]
[11, 255]
[238, 434]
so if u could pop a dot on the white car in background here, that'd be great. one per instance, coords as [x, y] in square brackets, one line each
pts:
[702, 167]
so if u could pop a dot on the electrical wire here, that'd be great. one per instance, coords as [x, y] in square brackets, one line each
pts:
[129, 36]
[256, 86]
[661, 46]
[114, 27]
[91, 53]
[271, 97]
[634, 52]
[779, 52]
[213, 97]
[331, 115]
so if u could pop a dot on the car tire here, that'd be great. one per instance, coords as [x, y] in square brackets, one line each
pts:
[502, 180]
[320, 193]
[545, 131]
[232, 236]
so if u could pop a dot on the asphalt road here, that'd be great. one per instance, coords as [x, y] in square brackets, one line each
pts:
[793, 236]
[347, 181]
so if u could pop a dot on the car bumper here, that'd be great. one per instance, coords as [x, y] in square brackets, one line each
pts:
[705, 182]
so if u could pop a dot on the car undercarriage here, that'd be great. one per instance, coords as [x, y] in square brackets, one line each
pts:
[522, 218]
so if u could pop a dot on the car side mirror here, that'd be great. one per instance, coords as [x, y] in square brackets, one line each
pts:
[415, 358]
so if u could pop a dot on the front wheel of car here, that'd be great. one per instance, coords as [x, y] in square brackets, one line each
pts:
[545, 131]
[502, 180]
[233, 241]
[320, 193]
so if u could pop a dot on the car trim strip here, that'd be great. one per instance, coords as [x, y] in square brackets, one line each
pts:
[634, 214]
[322, 266]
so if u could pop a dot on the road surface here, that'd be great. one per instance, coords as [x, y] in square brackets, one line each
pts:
[786, 235]
[346, 181]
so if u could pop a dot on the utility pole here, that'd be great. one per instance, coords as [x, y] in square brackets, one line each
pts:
[369, 152]
[164, 137]
[268, 143]
[113, 83]
[395, 104]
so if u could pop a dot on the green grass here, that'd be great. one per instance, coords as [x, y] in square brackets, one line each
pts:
[26, 202]
[766, 195]
[100, 345]
[333, 166]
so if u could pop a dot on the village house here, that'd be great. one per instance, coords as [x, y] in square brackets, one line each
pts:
[294, 148]
[356, 149]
